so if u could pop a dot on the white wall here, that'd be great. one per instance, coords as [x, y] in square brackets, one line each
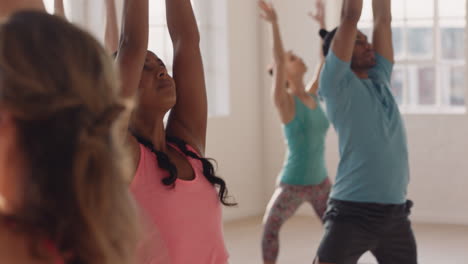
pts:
[439, 167]
[236, 141]
[438, 144]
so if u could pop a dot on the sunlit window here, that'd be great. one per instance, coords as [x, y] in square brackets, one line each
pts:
[212, 19]
[429, 43]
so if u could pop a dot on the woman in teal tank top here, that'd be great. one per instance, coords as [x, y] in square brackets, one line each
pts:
[303, 177]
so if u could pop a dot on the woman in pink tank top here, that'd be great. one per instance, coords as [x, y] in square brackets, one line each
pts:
[63, 192]
[174, 183]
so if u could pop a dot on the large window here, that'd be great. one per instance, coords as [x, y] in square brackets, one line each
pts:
[211, 16]
[429, 43]
[212, 19]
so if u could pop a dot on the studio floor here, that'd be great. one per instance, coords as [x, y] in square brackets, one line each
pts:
[301, 235]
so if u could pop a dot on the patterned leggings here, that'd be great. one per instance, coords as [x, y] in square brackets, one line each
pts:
[284, 203]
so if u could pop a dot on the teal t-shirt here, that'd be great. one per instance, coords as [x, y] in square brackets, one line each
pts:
[372, 140]
[305, 142]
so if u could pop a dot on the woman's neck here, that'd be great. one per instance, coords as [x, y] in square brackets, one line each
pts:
[159, 136]
[313, 88]
[155, 132]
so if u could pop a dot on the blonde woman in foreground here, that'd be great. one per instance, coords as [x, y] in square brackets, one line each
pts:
[63, 194]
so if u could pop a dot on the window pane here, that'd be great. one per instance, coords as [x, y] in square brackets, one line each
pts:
[160, 43]
[420, 8]
[398, 80]
[452, 42]
[426, 85]
[398, 41]
[366, 14]
[366, 29]
[457, 84]
[203, 12]
[420, 44]
[157, 12]
[452, 8]
[398, 9]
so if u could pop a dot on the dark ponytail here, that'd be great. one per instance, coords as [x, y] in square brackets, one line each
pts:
[323, 33]
[166, 164]
[327, 38]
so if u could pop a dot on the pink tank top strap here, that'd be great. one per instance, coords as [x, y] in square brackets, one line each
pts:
[190, 148]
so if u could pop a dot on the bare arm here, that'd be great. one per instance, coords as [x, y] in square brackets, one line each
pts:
[133, 45]
[59, 10]
[281, 97]
[319, 17]
[382, 36]
[313, 88]
[282, 100]
[188, 118]
[7, 7]
[131, 58]
[112, 29]
[344, 40]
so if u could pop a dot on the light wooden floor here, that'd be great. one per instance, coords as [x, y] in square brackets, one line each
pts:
[300, 236]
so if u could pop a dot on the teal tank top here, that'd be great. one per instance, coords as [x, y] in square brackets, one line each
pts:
[305, 141]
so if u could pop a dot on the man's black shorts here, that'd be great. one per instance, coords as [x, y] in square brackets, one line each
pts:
[352, 228]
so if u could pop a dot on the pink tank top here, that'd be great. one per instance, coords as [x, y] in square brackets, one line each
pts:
[188, 216]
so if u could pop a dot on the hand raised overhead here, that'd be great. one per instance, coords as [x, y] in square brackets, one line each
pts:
[319, 13]
[268, 12]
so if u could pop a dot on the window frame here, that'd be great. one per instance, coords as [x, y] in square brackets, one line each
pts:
[410, 93]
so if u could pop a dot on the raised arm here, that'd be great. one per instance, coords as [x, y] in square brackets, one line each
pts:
[319, 17]
[314, 84]
[319, 14]
[112, 29]
[59, 9]
[282, 100]
[7, 7]
[344, 40]
[382, 36]
[188, 118]
[132, 45]
[130, 60]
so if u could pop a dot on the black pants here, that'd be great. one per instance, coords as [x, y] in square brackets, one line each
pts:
[353, 228]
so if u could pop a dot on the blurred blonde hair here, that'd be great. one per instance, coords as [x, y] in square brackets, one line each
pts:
[60, 86]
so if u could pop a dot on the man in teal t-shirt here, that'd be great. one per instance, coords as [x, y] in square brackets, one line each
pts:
[368, 210]
[374, 157]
